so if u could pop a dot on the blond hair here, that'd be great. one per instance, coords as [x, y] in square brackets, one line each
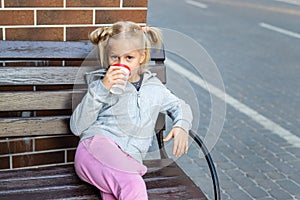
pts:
[146, 37]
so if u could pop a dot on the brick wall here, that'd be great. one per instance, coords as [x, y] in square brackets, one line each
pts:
[64, 20]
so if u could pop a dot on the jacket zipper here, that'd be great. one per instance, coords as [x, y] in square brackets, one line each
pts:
[139, 100]
[139, 104]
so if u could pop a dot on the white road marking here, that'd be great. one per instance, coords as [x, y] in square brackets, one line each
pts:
[280, 30]
[196, 3]
[297, 3]
[253, 114]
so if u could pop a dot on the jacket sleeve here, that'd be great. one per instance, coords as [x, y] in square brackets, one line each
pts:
[179, 111]
[87, 111]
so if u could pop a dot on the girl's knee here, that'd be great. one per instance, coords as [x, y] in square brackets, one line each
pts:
[107, 196]
[134, 188]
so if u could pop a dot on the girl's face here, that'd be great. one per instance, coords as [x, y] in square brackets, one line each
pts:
[124, 51]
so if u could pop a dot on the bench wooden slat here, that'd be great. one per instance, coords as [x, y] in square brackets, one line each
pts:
[56, 75]
[43, 75]
[48, 50]
[54, 125]
[175, 193]
[53, 50]
[52, 100]
[34, 126]
[60, 182]
[82, 192]
[152, 182]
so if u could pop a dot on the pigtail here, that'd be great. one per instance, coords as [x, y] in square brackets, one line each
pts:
[154, 36]
[153, 39]
[99, 37]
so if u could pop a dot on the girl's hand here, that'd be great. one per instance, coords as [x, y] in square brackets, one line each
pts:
[180, 141]
[114, 75]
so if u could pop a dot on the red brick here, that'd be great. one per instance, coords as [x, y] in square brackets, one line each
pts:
[34, 3]
[56, 143]
[135, 3]
[54, 17]
[71, 155]
[4, 162]
[112, 16]
[52, 34]
[78, 33]
[38, 159]
[93, 3]
[4, 148]
[18, 146]
[16, 17]
[14, 88]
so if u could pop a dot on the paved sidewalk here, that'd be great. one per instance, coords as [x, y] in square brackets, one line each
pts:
[252, 163]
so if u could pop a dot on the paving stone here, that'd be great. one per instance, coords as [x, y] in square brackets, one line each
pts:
[294, 151]
[223, 177]
[280, 194]
[219, 157]
[294, 163]
[275, 175]
[295, 177]
[272, 147]
[267, 184]
[276, 139]
[289, 186]
[254, 159]
[297, 197]
[273, 160]
[255, 175]
[285, 168]
[250, 142]
[229, 184]
[256, 192]
[225, 196]
[266, 198]
[238, 194]
[226, 165]
[233, 156]
[235, 173]
[244, 181]
[201, 162]
[223, 174]
[286, 156]
[245, 152]
[246, 167]
[264, 167]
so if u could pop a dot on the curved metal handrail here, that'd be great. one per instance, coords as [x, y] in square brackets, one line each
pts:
[210, 163]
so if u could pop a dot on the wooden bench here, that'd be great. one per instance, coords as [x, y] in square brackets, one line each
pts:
[38, 83]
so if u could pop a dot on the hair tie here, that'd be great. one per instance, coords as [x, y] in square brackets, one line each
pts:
[105, 34]
[145, 29]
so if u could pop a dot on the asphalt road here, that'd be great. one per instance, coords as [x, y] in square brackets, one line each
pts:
[255, 45]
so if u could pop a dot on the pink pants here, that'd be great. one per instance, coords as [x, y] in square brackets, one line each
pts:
[100, 162]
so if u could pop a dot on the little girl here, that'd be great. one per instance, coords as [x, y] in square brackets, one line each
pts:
[117, 130]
